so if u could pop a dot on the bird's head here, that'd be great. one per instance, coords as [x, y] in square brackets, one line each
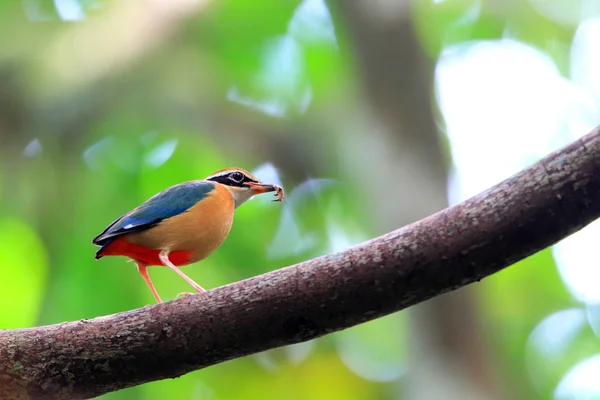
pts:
[243, 185]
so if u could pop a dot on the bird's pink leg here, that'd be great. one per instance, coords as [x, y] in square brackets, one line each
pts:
[142, 268]
[164, 258]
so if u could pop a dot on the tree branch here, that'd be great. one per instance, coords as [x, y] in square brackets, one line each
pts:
[457, 246]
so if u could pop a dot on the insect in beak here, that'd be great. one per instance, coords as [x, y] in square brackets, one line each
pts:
[259, 188]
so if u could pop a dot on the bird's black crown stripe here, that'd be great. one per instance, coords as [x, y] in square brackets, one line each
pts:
[226, 179]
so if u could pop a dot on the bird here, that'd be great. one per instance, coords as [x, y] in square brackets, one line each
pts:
[182, 224]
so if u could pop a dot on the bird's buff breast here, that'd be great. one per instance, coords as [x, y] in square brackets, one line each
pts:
[201, 229]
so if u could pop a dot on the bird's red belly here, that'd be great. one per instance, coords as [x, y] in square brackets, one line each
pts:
[122, 247]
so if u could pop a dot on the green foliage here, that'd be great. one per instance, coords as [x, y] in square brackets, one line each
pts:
[24, 263]
[523, 294]
[454, 21]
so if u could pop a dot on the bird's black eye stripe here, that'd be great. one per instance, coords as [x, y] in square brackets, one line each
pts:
[248, 179]
[235, 178]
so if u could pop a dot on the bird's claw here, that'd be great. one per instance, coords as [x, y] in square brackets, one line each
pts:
[184, 294]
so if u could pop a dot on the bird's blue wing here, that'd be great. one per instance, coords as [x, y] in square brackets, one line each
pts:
[166, 204]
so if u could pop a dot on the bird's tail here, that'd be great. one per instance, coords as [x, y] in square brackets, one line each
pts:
[105, 247]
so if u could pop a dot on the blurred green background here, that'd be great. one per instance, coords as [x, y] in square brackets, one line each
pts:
[371, 114]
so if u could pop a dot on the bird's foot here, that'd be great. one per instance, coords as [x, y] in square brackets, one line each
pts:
[184, 294]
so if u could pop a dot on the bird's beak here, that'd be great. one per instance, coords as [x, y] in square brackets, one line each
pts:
[262, 187]
[259, 188]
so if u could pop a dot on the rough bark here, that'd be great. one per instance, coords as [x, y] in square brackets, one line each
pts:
[457, 246]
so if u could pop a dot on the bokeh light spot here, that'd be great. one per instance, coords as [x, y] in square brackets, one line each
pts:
[581, 382]
[33, 148]
[161, 153]
[375, 350]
